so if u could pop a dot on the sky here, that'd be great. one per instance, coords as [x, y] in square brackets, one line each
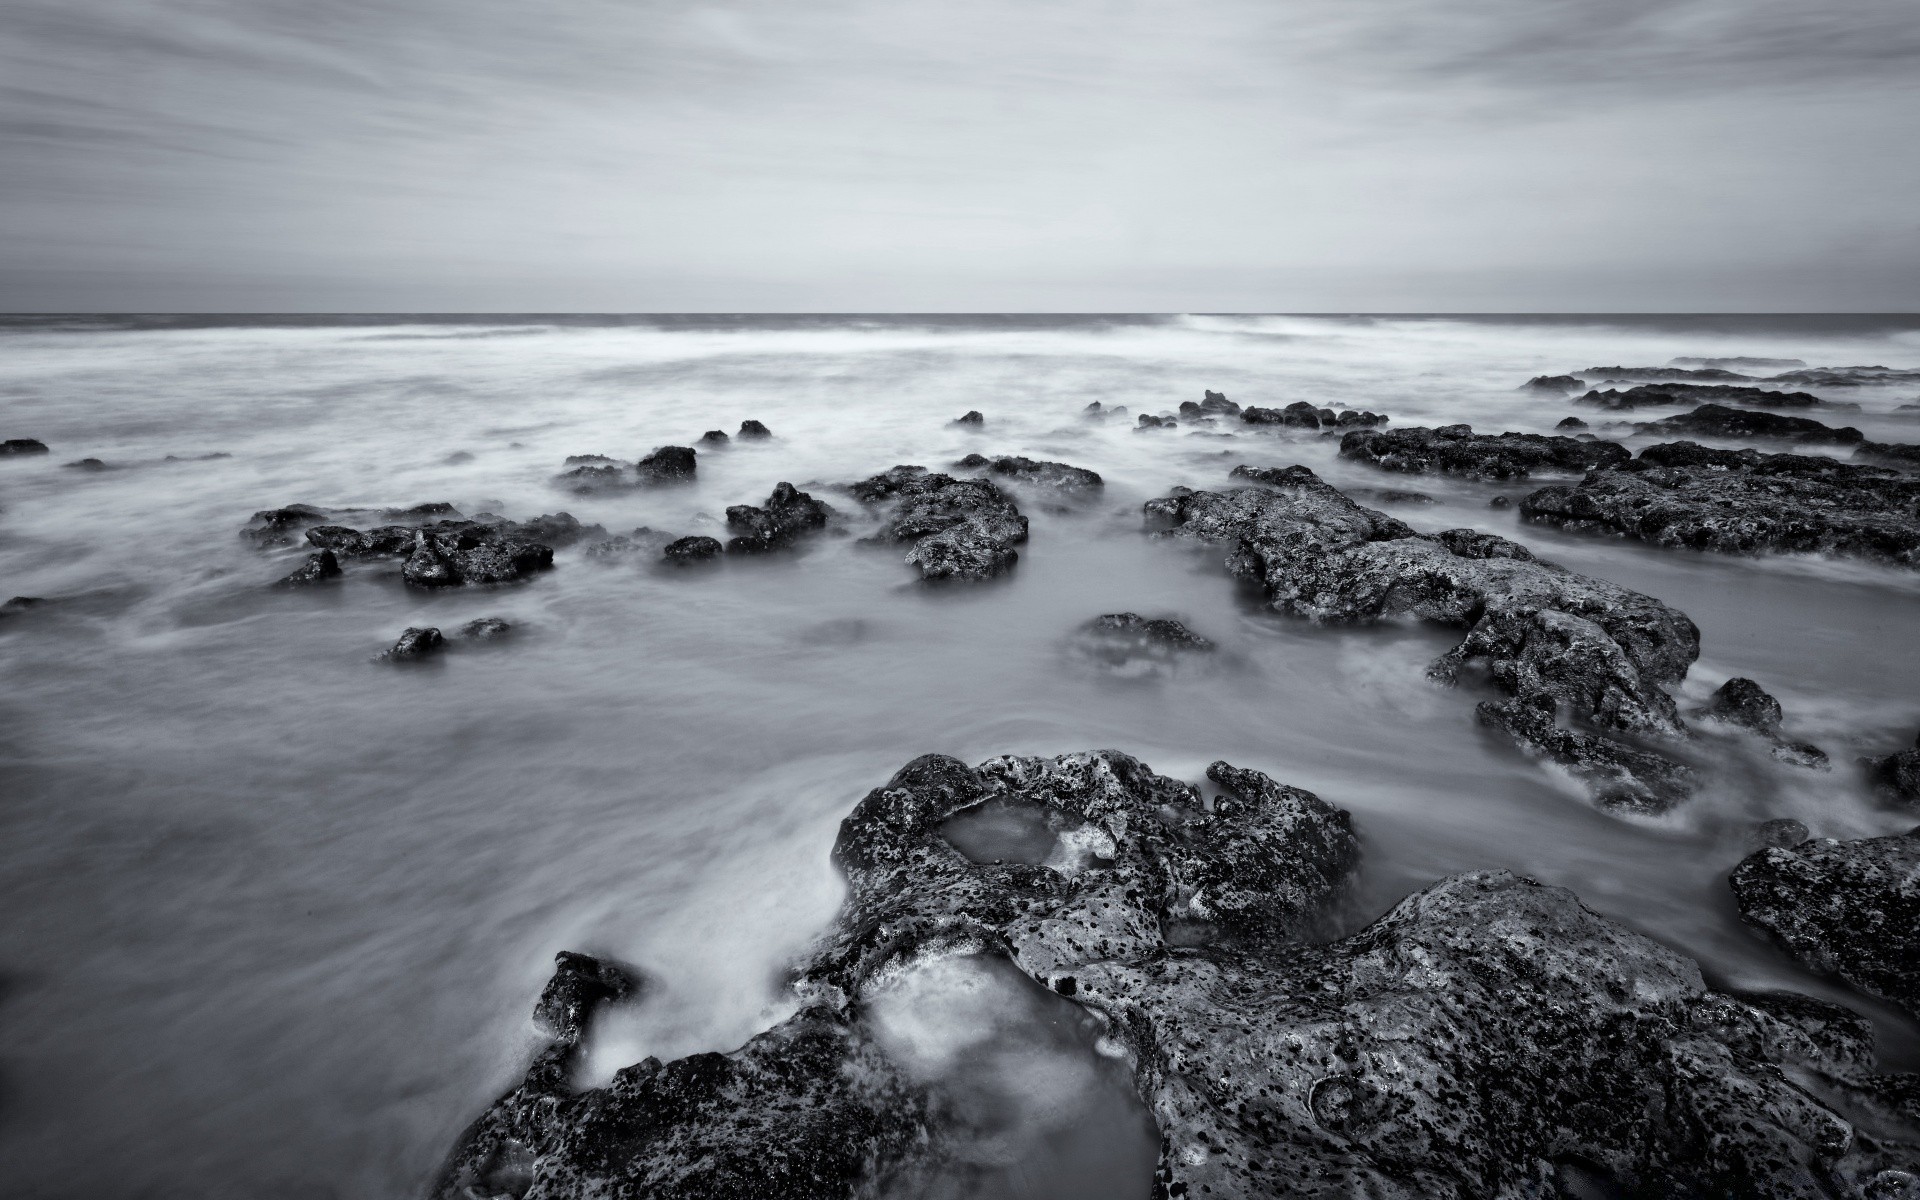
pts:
[971, 155]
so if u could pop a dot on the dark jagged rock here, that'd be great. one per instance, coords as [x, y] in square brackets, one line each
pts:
[1719, 421]
[1458, 450]
[1851, 909]
[321, 565]
[13, 446]
[580, 982]
[959, 528]
[452, 553]
[1896, 776]
[1686, 496]
[1739, 362]
[1665, 374]
[1128, 644]
[589, 478]
[1216, 404]
[1555, 383]
[751, 430]
[787, 514]
[1301, 415]
[1655, 394]
[276, 526]
[1487, 1037]
[667, 464]
[1028, 470]
[1101, 411]
[715, 437]
[592, 460]
[694, 548]
[1500, 502]
[971, 417]
[486, 629]
[550, 529]
[415, 644]
[1149, 421]
[1562, 646]
[1904, 454]
[380, 542]
[87, 464]
[1570, 423]
[1744, 703]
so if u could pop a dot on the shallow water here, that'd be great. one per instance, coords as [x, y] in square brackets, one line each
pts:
[278, 914]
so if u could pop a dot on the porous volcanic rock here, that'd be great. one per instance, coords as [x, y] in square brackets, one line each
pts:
[1687, 496]
[1896, 776]
[453, 553]
[1744, 703]
[1850, 909]
[777, 524]
[1487, 1037]
[416, 643]
[1719, 421]
[692, 548]
[1458, 450]
[667, 464]
[1130, 645]
[958, 528]
[319, 566]
[1301, 415]
[1029, 470]
[1582, 661]
[1649, 395]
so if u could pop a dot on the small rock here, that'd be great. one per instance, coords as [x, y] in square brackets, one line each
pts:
[787, 514]
[21, 604]
[696, 548]
[1149, 421]
[275, 526]
[1571, 423]
[753, 430]
[1130, 645]
[485, 629]
[320, 565]
[88, 464]
[1744, 703]
[714, 437]
[972, 418]
[579, 982]
[1719, 421]
[416, 643]
[22, 446]
[1217, 404]
[667, 463]
[1555, 383]
[1027, 470]
[1500, 502]
[458, 457]
[1896, 776]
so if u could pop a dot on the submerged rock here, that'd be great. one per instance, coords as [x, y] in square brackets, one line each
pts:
[1028, 470]
[1784, 832]
[1554, 383]
[1656, 394]
[958, 528]
[1458, 450]
[1904, 454]
[321, 565]
[1850, 909]
[1301, 415]
[971, 417]
[453, 553]
[87, 464]
[1665, 374]
[1738, 362]
[1564, 647]
[1149, 421]
[1128, 644]
[1686, 496]
[486, 629]
[276, 526]
[753, 431]
[1487, 1037]
[1896, 776]
[1719, 421]
[695, 548]
[1570, 423]
[715, 437]
[787, 514]
[13, 446]
[415, 644]
[1744, 703]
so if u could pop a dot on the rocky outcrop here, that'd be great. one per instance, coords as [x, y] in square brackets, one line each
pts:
[1905, 454]
[1686, 496]
[1719, 421]
[455, 553]
[18, 446]
[588, 474]
[276, 526]
[320, 566]
[1850, 909]
[1213, 404]
[1570, 423]
[1487, 1037]
[1033, 471]
[1149, 421]
[1554, 383]
[1649, 395]
[1664, 374]
[1129, 645]
[486, 629]
[963, 529]
[691, 549]
[1582, 661]
[1746, 704]
[1896, 776]
[971, 417]
[1458, 450]
[1847, 376]
[667, 464]
[753, 431]
[715, 438]
[775, 525]
[1301, 415]
[415, 644]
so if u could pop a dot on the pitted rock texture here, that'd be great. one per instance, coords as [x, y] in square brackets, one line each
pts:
[1850, 909]
[1582, 660]
[1686, 496]
[1458, 450]
[1301, 415]
[692, 548]
[1719, 421]
[1648, 395]
[777, 524]
[1744, 703]
[416, 643]
[453, 553]
[1129, 645]
[962, 529]
[1896, 776]
[1033, 471]
[319, 567]
[1487, 1037]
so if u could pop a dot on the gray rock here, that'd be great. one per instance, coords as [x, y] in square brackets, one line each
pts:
[320, 566]
[13, 446]
[1028, 470]
[1896, 776]
[1564, 647]
[1570, 423]
[1457, 450]
[972, 418]
[715, 438]
[1905, 454]
[753, 431]
[958, 528]
[695, 548]
[1783, 832]
[776, 525]
[1554, 383]
[1130, 645]
[1651, 395]
[415, 644]
[1149, 421]
[1301, 415]
[1719, 421]
[667, 464]
[486, 629]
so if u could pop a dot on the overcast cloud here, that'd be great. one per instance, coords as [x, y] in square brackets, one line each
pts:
[987, 155]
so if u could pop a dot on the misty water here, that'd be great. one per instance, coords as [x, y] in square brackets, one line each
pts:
[277, 914]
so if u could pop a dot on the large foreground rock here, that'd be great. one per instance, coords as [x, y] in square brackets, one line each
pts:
[1851, 909]
[958, 528]
[1488, 1037]
[1458, 450]
[1687, 496]
[1582, 661]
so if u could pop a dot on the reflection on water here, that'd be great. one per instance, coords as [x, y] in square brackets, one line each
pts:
[277, 914]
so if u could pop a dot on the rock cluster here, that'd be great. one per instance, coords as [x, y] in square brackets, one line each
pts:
[1896, 776]
[1719, 421]
[1028, 470]
[1850, 909]
[1211, 404]
[1582, 661]
[1301, 415]
[1744, 703]
[958, 528]
[419, 642]
[1683, 495]
[775, 525]
[1904, 454]
[1149, 421]
[451, 553]
[1488, 1036]
[590, 473]
[1458, 450]
[1655, 394]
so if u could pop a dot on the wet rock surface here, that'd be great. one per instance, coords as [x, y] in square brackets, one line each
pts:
[961, 529]
[486, 629]
[1129, 645]
[418, 642]
[1719, 421]
[319, 567]
[14, 446]
[1896, 776]
[668, 464]
[787, 514]
[691, 549]
[1582, 661]
[1686, 496]
[1744, 703]
[1458, 450]
[1850, 909]
[1034, 471]
[1488, 1036]
[1301, 415]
